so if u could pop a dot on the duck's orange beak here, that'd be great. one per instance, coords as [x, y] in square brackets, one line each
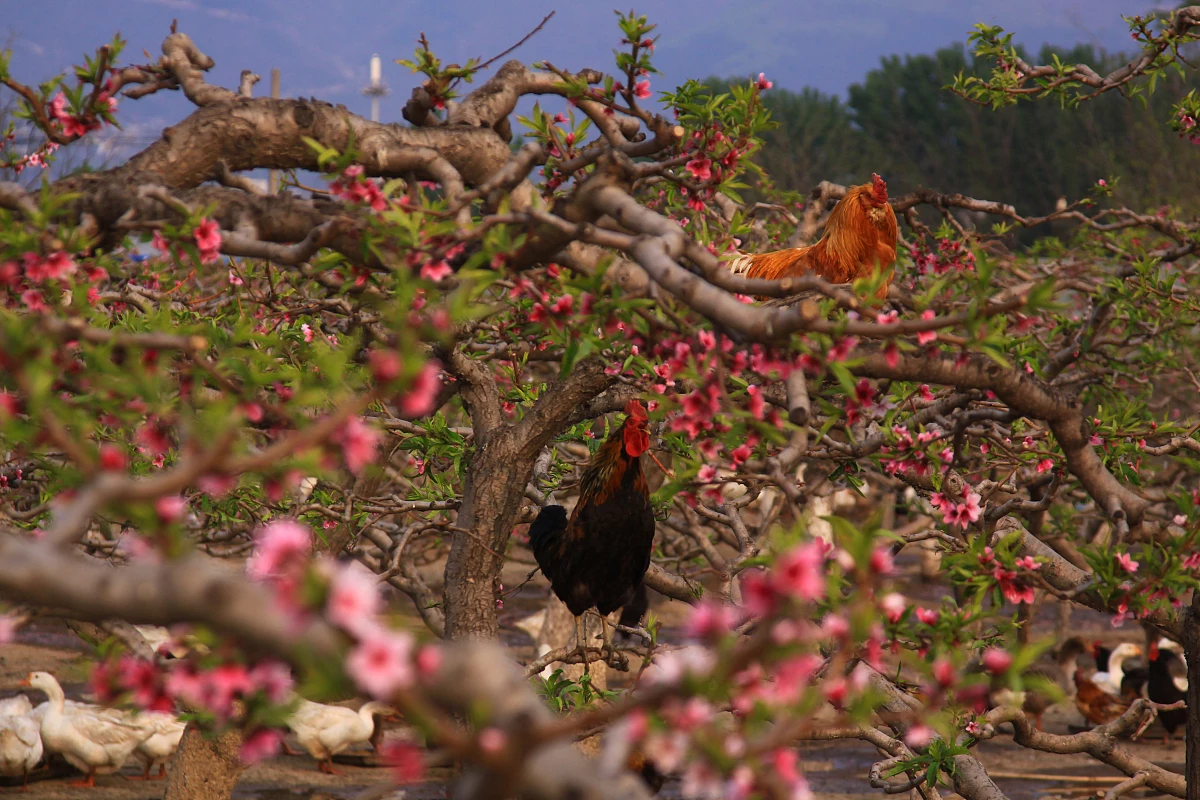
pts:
[24, 682]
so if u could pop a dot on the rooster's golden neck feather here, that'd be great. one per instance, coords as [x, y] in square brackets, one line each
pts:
[860, 237]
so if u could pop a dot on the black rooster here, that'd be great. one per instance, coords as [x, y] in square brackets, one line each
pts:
[598, 557]
[1167, 672]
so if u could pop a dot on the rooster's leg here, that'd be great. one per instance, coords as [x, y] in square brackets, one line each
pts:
[579, 645]
[606, 638]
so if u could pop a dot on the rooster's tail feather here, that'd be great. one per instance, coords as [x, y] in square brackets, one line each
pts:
[773, 265]
[740, 265]
[550, 524]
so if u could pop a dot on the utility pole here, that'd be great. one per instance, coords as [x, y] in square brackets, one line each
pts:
[273, 175]
[376, 88]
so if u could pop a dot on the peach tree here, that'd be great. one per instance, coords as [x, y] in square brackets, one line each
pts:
[378, 375]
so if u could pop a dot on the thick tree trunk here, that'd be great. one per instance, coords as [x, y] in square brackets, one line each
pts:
[1191, 650]
[492, 495]
[204, 769]
[500, 470]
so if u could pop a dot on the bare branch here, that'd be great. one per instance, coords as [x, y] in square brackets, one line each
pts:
[185, 590]
[246, 84]
[186, 62]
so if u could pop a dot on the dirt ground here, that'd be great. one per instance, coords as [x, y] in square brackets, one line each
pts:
[835, 769]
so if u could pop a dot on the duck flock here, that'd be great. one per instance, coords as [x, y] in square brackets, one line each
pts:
[94, 739]
[1122, 675]
[98, 740]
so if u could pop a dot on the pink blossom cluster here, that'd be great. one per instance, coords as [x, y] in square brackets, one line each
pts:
[79, 125]
[34, 159]
[223, 691]
[668, 748]
[405, 759]
[863, 400]
[188, 684]
[1187, 124]
[1016, 589]
[434, 267]
[385, 365]
[207, 236]
[208, 239]
[280, 559]
[955, 513]
[359, 442]
[798, 574]
[383, 661]
[839, 351]
[25, 279]
[56, 266]
[153, 439]
[641, 90]
[699, 409]
[951, 254]
[911, 459]
[553, 312]
[712, 153]
[353, 187]
[421, 396]
[784, 685]
[702, 779]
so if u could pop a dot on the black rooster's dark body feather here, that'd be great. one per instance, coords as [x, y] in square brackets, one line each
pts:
[545, 531]
[1161, 688]
[599, 556]
[632, 613]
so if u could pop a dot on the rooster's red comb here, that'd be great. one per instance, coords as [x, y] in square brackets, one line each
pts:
[634, 408]
[880, 187]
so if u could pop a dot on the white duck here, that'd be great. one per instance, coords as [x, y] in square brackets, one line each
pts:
[72, 707]
[20, 739]
[15, 706]
[324, 731]
[1111, 681]
[94, 740]
[163, 742]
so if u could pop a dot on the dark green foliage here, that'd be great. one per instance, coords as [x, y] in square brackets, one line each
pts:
[903, 123]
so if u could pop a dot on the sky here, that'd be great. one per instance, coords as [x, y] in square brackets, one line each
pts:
[323, 48]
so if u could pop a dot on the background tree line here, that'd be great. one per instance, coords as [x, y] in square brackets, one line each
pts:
[902, 123]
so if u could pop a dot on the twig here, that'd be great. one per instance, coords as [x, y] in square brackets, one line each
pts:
[524, 39]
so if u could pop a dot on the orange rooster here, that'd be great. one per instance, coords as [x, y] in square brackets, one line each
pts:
[859, 241]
